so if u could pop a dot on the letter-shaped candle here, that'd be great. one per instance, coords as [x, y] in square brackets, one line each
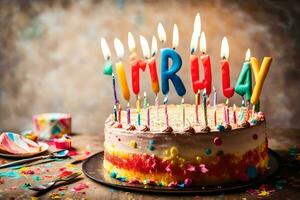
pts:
[151, 61]
[170, 73]
[136, 65]
[260, 76]
[119, 48]
[227, 90]
[244, 82]
[205, 58]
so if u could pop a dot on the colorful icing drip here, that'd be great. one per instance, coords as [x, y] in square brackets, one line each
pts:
[52, 125]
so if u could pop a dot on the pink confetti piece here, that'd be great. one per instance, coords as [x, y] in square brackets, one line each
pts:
[79, 187]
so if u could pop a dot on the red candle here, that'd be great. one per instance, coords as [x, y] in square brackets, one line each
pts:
[206, 82]
[136, 65]
[227, 90]
[153, 75]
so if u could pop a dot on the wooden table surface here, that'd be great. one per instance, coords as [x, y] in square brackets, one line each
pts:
[14, 188]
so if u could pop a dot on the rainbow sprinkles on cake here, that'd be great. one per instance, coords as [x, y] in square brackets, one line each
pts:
[184, 145]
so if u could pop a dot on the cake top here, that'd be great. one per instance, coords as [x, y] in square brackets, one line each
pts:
[184, 119]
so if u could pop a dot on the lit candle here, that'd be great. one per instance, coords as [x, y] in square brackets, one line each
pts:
[234, 114]
[136, 65]
[206, 82]
[244, 82]
[227, 90]
[170, 73]
[119, 48]
[128, 113]
[108, 69]
[205, 107]
[260, 76]
[166, 110]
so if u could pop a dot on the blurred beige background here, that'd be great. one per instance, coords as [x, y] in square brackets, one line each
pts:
[50, 57]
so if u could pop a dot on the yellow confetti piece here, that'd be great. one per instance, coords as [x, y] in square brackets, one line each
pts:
[264, 193]
[133, 144]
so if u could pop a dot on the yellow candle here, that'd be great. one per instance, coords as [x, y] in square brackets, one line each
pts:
[260, 76]
[119, 48]
[123, 80]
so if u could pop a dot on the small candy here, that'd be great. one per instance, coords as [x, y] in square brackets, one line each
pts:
[254, 122]
[151, 148]
[151, 142]
[174, 151]
[188, 182]
[251, 171]
[220, 127]
[208, 151]
[203, 168]
[133, 144]
[191, 168]
[218, 141]
[173, 184]
[113, 174]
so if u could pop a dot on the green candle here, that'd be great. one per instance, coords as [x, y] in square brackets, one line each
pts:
[244, 82]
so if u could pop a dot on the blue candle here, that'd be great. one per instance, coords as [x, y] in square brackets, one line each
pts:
[170, 72]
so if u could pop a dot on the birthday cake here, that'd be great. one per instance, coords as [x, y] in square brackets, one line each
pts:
[193, 155]
[185, 145]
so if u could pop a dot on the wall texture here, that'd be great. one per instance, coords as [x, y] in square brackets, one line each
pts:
[50, 58]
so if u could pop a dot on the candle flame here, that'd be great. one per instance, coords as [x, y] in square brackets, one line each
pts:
[145, 94]
[119, 48]
[128, 105]
[182, 101]
[105, 49]
[120, 107]
[214, 89]
[194, 42]
[197, 25]
[224, 48]
[248, 55]
[153, 46]
[131, 42]
[175, 36]
[166, 99]
[161, 33]
[202, 43]
[145, 47]
[234, 107]
[227, 101]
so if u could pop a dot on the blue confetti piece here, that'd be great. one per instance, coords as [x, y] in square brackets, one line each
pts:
[220, 127]
[11, 174]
